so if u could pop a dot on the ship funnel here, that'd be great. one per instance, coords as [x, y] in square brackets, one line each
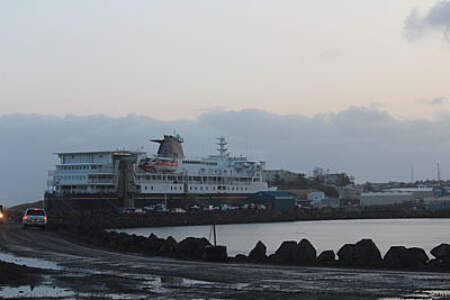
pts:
[170, 146]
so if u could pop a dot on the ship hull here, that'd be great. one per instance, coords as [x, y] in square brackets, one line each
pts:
[112, 201]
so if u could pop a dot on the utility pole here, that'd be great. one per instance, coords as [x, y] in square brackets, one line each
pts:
[438, 173]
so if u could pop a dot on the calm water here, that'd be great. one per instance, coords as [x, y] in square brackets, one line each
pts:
[324, 235]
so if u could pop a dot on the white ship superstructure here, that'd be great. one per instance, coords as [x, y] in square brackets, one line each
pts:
[175, 174]
[125, 176]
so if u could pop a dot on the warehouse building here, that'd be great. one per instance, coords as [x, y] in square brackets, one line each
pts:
[274, 200]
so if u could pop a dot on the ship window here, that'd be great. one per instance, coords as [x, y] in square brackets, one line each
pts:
[151, 187]
[214, 188]
[145, 187]
[171, 188]
[206, 188]
[195, 188]
[190, 188]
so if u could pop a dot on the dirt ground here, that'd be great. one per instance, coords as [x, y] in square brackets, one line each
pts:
[79, 271]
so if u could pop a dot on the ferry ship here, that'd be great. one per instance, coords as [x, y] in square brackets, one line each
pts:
[121, 178]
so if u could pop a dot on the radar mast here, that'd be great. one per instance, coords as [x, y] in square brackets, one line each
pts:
[221, 143]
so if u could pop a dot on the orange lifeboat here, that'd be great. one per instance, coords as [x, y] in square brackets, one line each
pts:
[159, 165]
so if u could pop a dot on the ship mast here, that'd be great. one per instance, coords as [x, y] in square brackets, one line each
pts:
[221, 143]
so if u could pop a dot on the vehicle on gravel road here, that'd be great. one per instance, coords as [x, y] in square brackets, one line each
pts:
[34, 217]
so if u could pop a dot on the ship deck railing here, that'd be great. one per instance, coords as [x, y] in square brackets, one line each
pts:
[82, 171]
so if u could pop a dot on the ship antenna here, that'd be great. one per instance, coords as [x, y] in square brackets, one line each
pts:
[222, 146]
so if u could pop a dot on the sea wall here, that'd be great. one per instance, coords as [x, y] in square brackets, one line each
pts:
[115, 219]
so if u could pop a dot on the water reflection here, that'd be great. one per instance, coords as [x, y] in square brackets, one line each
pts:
[324, 235]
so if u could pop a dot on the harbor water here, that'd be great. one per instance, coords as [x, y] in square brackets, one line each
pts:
[324, 235]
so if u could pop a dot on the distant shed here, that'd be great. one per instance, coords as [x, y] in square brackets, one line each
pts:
[275, 200]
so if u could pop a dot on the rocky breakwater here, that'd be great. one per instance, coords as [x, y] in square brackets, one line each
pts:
[190, 248]
[362, 254]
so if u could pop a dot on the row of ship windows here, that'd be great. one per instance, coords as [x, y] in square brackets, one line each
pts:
[92, 167]
[84, 187]
[196, 162]
[196, 178]
[70, 177]
[175, 188]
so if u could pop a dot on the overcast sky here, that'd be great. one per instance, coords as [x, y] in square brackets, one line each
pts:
[354, 85]
[177, 59]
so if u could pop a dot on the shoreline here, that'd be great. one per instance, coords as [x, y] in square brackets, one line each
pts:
[97, 260]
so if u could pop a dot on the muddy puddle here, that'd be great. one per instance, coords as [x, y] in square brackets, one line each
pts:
[46, 291]
[422, 295]
[29, 262]
[27, 291]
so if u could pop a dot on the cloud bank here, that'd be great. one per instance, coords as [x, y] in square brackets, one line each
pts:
[365, 142]
[436, 19]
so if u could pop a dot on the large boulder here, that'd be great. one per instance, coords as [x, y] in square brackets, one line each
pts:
[192, 248]
[362, 254]
[416, 257]
[258, 253]
[152, 244]
[129, 242]
[215, 253]
[346, 255]
[240, 258]
[305, 253]
[402, 257]
[441, 252]
[396, 257]
[326, 257]
[285, 253]
[168, 247]
[367, 254]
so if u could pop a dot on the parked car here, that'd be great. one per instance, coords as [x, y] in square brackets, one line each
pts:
[161, 208]
[148, 208]
[129, 210]
[36, 217]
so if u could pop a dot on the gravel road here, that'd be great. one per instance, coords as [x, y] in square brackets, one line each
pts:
[85, 272]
